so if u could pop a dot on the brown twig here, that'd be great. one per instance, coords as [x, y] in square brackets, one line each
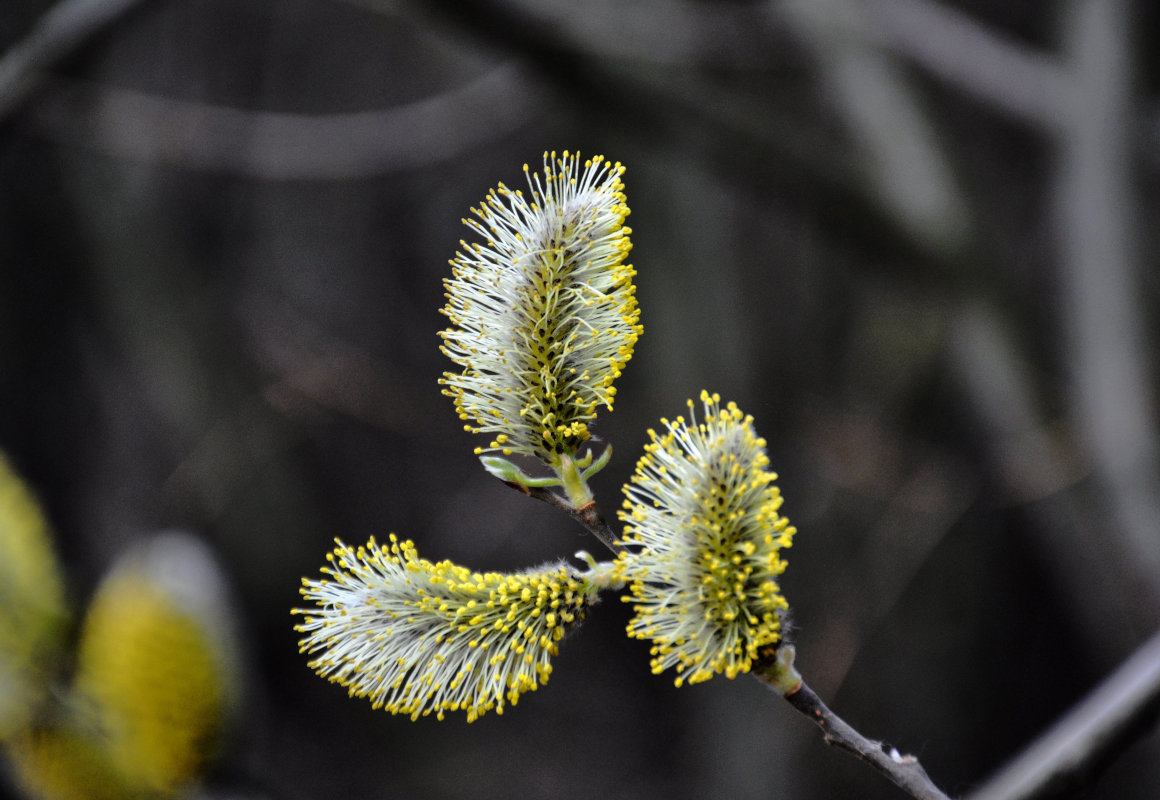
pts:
[904, 770]
[588, 516]
[776, 669]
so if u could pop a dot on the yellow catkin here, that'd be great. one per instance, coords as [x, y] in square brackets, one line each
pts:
[705, 534]
[544, 315]
[33, 613]
[61, 764]
[417, 637]
[156, 684]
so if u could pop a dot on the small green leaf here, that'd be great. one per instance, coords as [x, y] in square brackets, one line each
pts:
[508, 472]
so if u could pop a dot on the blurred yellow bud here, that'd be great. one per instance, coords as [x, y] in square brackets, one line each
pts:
[62, 763]
[32, 606]
[155, 668]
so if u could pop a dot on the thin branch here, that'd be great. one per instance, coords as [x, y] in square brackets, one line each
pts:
[724, 131]
[314, 369]
[905, 165]
[283, 146]
[1039, 468]
[1016, 79]
[720, 35]
[65, 27]
[776, 669]
[1027, 85]
[903, 770]
[1097, 217]
[1121, 709]
[588, 516]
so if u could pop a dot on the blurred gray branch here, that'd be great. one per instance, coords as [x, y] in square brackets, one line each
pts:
[1099, 263]
[68, 25]
[282, 146]
[1105, 335]
[1123, 706]
[905, 164]
[673, 33]
[1021, 82]
[1038, 467]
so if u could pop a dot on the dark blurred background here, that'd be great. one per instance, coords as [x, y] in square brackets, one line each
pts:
[913, 238]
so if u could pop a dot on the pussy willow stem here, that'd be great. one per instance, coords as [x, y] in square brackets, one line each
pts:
[588, 515]
[776, 669]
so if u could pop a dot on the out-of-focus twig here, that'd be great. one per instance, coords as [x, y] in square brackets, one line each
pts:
[69, 24]
[1120, 709]
[283, 146]
[772, 157]
[1031, 457]
[920, 493]
[676, 33]
[904, 164]
[1016, 79]
[1038, 468]
[1106, 347]
[1033, 464]
[1023, 83]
